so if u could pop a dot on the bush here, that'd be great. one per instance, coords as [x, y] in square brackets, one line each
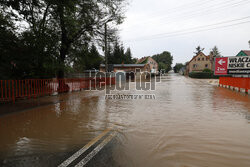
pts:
[202, 75]
[207, 70]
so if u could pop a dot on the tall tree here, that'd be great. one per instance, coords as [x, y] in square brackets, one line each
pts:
[68, 22]
[165, 60]
[198, 50]
[81, 20]
[215, 52]
[35, 45]
[177, 67]
[128, 57]
[117, 54]
[8, 46]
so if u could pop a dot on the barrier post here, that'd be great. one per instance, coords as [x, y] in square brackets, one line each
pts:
[2, 88]
[16, 88]
[13, 92]
[9, 89]
[5, 85]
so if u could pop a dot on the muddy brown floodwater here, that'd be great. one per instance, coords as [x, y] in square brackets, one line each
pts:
[190, 124]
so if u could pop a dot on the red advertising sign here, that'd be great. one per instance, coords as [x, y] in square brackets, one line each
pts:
[221, 66]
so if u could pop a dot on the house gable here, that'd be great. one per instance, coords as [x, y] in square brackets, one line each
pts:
[241, 53]
[200, 62]
[244, 53]
[199, 57]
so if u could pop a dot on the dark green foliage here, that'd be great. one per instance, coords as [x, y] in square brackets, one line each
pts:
[144, 61]
[202, 75]
[199, 49]
[207, 70]
[177, 67]
[162, 66]
[43, 39]
[25, 55]
[215, 52]
[165, 60]
[86, 59]
[8, 47]
[128, 57]
[117, 55]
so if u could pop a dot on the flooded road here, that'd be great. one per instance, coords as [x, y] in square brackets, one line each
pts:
[190, 123]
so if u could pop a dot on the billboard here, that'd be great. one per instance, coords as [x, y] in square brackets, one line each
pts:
[239, 65]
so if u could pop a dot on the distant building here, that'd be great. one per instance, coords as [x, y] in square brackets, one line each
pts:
[200, 62]
[244, 53]
[125, 67]
[153, 65]
[182, 71]
[146, 64]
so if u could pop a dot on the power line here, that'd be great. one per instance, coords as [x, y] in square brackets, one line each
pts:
[198, 12]
[185, 6]
[173, 34]
[209, 11]
[209, 25]
[175, 10]
[194, 13]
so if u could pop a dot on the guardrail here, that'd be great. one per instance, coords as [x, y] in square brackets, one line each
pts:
[11, 90]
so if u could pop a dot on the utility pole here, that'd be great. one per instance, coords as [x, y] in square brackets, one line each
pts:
[105, 47]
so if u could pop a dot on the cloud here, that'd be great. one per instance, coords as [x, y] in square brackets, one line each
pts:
[145, 19]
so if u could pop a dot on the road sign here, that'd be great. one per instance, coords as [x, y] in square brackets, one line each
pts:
[239, 65]
[221, 66]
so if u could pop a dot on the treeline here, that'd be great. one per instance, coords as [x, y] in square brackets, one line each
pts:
[46, 38]
[178, 67]
[118, 55]
[164, 60]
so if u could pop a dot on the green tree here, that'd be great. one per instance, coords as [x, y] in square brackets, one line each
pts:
[87, 58]
[164, 58]
[198, 50]
[128, 57]
[94, 59]
[56, 28]
[177, 67]
[8, 46]
[116, 55]
[162, 66]
[215, 52]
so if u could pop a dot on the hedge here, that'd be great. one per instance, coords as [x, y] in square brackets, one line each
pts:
[202, 75]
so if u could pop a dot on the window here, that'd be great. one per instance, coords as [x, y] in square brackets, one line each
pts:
[203, 59]
[199, 59]
[195, 66]
[206, 65]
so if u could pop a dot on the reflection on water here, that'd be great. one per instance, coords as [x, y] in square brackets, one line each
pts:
[191, 123]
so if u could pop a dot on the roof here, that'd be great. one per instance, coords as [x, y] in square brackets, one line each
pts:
[198, 55]
[125, 65]
[247, 52]
[141, 61]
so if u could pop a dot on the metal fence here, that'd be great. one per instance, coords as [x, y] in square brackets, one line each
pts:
[11, 90]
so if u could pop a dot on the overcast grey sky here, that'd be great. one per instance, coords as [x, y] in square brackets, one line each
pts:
[154, 26]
